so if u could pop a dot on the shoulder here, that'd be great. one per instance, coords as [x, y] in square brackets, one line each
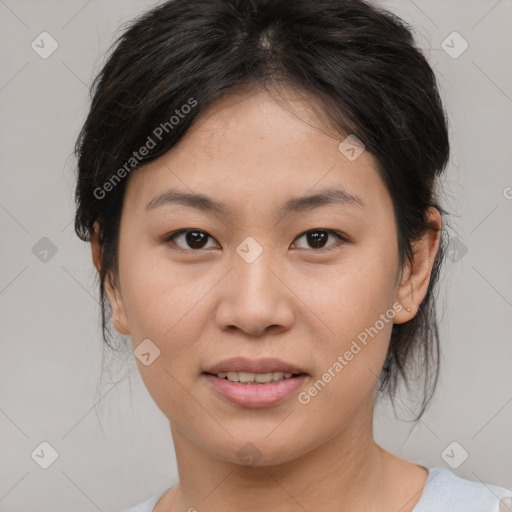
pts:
[148, 505]
[445, 491]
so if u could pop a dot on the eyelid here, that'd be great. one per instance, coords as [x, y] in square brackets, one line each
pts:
[339, 234]
[168, 238]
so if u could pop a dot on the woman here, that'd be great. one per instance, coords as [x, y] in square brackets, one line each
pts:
[257, 179]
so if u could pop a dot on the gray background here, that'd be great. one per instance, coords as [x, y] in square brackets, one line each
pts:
[114, 446]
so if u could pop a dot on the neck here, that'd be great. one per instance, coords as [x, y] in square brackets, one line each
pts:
[347, 472]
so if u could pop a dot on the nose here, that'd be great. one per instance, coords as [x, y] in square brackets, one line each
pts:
[256, 297]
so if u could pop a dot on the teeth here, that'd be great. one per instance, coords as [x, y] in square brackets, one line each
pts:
[250, 378]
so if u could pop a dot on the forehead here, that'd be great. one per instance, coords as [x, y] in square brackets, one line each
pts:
[254, 148]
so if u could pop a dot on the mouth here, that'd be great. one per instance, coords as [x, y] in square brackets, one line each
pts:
[249, 378]
[243, 369]
[255, 383]
[252, 383]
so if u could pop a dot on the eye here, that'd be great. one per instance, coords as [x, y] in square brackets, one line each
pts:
[194, 238]
[318, 237]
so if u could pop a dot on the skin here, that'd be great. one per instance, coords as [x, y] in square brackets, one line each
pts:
[299, 303]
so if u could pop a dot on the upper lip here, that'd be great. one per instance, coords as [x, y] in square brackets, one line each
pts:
[265, 365]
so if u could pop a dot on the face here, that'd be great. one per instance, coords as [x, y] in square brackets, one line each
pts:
[312, 283]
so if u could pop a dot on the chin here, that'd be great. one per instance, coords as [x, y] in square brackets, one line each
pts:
[260, 451]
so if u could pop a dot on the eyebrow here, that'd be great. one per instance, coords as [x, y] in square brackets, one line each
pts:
[324, 197]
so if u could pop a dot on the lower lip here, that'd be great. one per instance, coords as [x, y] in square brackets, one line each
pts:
[256, 395]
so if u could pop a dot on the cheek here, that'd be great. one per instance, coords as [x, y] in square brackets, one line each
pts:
[352, 294]
[370, 280]
[157, 294]
[355, 301]
[162, 304]
[350, 361]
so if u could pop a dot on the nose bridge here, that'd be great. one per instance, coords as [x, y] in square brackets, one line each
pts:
[255, 299]
[251, 269]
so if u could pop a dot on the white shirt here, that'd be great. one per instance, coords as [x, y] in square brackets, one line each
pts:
[444, 491]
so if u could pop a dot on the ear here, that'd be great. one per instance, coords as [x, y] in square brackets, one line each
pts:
[416, 276]
[111, 289]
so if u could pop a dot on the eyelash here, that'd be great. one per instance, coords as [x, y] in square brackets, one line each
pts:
[169, 238]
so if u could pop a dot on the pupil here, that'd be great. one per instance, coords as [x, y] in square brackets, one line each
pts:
[196, 239]
[192, 239]
[316, 241]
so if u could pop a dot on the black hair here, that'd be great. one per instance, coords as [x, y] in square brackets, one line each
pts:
[359, 61]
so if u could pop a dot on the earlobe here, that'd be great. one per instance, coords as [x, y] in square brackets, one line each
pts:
[118, 312]
[414, 285]
[95, 248]
[406, 299]
[116, 304]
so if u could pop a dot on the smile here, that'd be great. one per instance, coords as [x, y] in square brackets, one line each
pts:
[255, 378]
[253, 390]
